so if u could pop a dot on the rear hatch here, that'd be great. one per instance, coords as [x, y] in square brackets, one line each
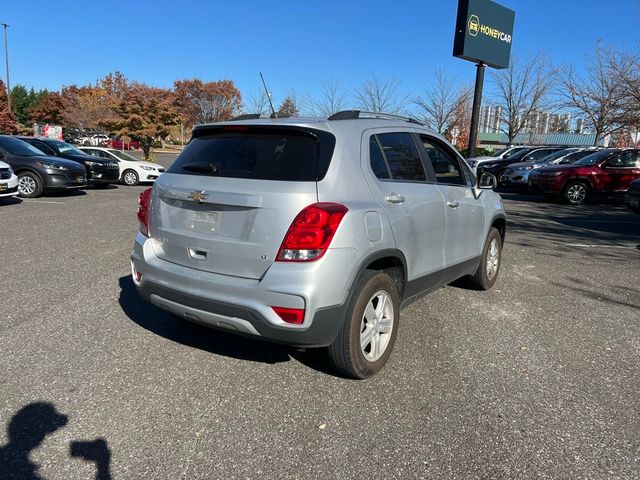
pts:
[226, 203]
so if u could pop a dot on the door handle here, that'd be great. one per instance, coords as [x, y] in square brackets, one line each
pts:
[394, 198]
[452, 204]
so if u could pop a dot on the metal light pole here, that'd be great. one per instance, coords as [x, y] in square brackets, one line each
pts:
[6, 55]
[475, 112]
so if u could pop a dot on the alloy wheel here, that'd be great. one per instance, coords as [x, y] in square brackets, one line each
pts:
[493, 259]
[376, 326]
[26, 185]
[576, 193]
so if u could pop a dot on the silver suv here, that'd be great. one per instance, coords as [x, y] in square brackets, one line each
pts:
[315, 232]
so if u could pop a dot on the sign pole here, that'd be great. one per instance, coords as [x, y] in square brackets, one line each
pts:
[475, 112]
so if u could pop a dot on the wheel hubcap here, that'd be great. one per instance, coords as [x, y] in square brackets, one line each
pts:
[576, 193]
[493, 259]
[130, 178]
[26, 185]
[376, 326]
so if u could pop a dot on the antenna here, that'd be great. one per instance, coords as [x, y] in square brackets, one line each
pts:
[273, 110]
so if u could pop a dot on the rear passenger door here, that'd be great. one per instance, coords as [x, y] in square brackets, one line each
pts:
[413, 205]
[465, 213]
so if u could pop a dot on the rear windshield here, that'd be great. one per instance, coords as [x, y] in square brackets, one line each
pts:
[286, 154]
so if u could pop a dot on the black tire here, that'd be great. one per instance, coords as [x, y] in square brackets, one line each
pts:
[346, 353]
[129, 174]
[484, 279]
[575, 192]
[36, 186]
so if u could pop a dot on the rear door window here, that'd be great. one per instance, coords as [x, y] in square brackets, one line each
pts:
[286, 154]
[376, 158]
[402, 156]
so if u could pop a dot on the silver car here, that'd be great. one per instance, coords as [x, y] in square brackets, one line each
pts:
[315, 232]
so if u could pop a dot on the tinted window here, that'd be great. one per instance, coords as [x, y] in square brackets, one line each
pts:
[378, 165]
[626, 160]
[595, 157]
[538, 154]
[402, 156]
[43, 147]
[557, 155]
[18, 147]
[576, 156]
[286, 154]
[445, 165]
[511, 152]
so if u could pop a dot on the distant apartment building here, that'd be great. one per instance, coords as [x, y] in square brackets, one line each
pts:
[491, 119]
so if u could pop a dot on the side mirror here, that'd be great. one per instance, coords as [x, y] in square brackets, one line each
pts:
[487, 181]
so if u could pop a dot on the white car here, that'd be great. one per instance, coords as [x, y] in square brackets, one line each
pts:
[132, 170]
[8, 181]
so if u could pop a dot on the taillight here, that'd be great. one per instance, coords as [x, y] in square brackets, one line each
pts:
[144, 204]
[311, 232]
[290, 315]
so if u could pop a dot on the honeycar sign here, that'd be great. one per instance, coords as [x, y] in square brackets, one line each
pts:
[484, 32]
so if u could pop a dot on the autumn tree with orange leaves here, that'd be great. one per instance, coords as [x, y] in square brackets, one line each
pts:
[204, 102]
[7, 122]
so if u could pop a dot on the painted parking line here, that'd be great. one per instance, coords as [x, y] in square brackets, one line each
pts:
[27, 200]
[587, 245]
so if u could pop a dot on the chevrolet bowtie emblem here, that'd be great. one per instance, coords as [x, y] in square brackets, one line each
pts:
[198, 196]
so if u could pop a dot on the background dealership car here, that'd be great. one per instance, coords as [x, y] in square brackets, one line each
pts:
[498, 167]
[608, 171]
[132, 169]
[38, 173]
[100, 172]
[498, 155]
[120, 144]
[518, 173]
[315, 232]
[632, 197]
[8, 181]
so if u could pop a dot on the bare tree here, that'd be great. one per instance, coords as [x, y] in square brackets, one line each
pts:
[522, 89]
[376, 95]
[332, 99]
[438, 104]
[597, 95]
[626, 66]
[258, 103]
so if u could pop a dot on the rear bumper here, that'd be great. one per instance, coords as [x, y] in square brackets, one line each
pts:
[242, 305]
[244, 320]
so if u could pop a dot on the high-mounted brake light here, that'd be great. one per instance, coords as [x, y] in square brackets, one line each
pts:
[144, 204]
[310, 234]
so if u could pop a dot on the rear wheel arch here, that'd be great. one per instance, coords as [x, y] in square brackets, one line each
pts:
[390, 261]
[584, 180]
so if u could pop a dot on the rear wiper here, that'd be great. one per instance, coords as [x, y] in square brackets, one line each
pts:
[202, 167]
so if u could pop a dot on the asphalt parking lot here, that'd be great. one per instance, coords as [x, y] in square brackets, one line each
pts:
[537, 378]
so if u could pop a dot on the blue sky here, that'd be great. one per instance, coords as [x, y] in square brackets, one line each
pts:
[296, 44]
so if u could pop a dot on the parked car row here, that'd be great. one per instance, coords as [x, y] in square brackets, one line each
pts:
[31, 167]
[571, 173]
[101, 140]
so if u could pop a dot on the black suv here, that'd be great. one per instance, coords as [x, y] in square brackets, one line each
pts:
[100, 172]
[38, 173]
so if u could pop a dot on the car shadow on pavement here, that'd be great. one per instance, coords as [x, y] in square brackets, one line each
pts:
[26, 431]
[10, 201]
[218, 342]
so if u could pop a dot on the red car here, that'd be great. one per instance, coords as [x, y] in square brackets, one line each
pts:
[609, 171]
[119, 144]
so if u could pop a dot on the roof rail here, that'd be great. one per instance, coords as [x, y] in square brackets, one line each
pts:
[357, 114]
